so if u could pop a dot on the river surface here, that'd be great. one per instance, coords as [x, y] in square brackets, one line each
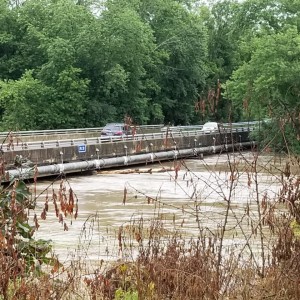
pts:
[194, 195]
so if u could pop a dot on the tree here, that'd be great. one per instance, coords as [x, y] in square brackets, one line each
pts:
[9, 43]
[46, 48]
[181, 41]
[24, 98]
[268, 84]
[220, 19]
[114, 56]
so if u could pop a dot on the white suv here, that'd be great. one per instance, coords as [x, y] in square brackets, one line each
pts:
[210, 127]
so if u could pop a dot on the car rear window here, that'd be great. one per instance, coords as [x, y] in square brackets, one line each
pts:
[112, 127]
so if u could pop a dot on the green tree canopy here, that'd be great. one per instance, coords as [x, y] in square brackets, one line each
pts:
[181, 39]
[268, 84]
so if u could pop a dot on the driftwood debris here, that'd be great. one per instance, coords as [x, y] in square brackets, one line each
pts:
[138, 171]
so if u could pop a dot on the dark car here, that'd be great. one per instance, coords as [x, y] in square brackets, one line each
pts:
[116, 129]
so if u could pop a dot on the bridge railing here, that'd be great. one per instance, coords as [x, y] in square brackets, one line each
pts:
[199, 127]
[69, 131]
[161, 127]
[98, 140]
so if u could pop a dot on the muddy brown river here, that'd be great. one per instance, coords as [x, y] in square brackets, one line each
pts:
[194, 195]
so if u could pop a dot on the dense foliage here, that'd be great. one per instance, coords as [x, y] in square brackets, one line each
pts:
[68, 63]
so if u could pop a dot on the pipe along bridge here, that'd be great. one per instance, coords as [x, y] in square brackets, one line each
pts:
[49, 157]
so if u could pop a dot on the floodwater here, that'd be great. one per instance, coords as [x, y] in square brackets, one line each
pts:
[189, 199]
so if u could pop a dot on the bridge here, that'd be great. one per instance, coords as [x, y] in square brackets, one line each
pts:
[29, 154]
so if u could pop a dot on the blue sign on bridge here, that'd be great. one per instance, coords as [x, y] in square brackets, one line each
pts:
[82, 148]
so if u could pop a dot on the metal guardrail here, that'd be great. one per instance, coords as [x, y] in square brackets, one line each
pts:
[99, 129]
[199, 127]
[68, 131]
[99, 140]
